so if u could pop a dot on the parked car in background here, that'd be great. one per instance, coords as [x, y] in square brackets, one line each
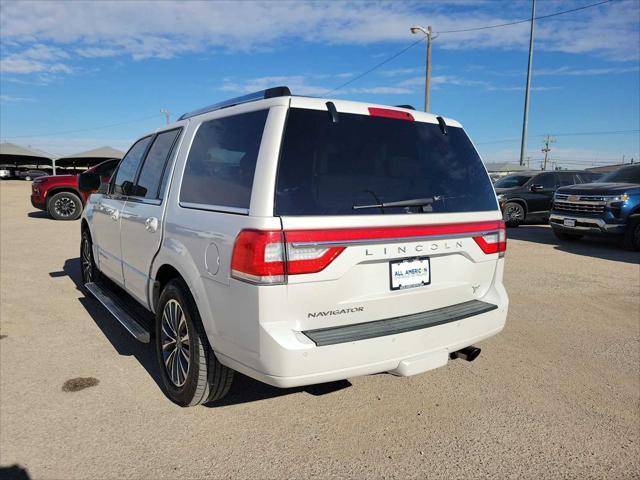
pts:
[30, 174]
[298, 240]
[529, 195]
[60, 195]
[611, 206]
[5, 173]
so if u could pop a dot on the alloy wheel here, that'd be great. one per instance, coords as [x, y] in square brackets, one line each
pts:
[87, 264]
[65, 207]
[176, 351]
[514, 213]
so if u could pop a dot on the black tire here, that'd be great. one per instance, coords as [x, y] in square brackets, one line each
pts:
[631, 240]
[65, 206]
[206, 379]
[88, 270]
[513, 214]
[567, 237]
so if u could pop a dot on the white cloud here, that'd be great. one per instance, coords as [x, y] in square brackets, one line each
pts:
[167, 29]
[587, 72]
[4, 99]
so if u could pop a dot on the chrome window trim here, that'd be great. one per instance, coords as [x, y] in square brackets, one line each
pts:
[214, 208]
[370, 241]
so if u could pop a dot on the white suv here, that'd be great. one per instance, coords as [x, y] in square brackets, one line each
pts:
[298, 240]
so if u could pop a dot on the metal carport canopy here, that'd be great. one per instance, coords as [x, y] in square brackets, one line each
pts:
[12, 155]
[88, 158]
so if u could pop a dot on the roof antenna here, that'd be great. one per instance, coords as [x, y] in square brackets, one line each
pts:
[443, 126]
[333, 112]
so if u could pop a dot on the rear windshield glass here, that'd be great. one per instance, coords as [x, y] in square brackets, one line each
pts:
[328, 168]
[512, 181]
[623, 175]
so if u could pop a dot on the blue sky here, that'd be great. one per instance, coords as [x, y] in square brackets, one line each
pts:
[68, 68]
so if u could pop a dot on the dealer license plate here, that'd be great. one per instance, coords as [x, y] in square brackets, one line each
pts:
[410, 273]
[569, 222]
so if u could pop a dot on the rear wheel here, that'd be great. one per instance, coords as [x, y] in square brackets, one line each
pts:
[88, 271]
[513, 214]
[631, 239]
[564, 236]
[191, 373]
[65, 206]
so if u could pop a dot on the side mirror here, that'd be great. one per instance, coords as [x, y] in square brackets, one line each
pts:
[88, 182]
[536, 188]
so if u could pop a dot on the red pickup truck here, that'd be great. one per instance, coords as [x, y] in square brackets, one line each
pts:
[60, 195]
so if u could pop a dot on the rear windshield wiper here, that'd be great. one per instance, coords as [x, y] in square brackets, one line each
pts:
[414, 202]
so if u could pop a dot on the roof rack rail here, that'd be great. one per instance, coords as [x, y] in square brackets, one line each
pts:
[408, 107]
[251, 97]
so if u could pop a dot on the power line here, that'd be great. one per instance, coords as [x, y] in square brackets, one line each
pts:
[375, 67]
[572, 134]
[400, 52]
[85, 129]
[516, 22]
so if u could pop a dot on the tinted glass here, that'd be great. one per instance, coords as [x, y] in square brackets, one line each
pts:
[222, 161]
[547, 180]
[129, 165]
[623, 175]
[328, 168]
[511, 181]
[105, 169]
[154, 164]
[588, 177]
[566, 178]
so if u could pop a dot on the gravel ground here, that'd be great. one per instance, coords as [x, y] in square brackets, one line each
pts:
[555, 395]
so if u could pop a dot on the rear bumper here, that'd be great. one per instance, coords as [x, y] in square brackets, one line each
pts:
[585, 225]
[289, 359]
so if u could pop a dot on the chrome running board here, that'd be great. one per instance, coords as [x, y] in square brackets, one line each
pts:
[116, 309]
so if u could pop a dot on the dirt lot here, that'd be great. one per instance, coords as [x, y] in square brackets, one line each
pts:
[557, 394]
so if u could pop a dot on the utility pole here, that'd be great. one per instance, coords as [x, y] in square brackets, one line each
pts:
[429, 33]
[548, 140]
[167, 115]
[525, 121]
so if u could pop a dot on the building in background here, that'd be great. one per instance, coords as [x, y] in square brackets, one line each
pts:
[16, 158]
[79, 162]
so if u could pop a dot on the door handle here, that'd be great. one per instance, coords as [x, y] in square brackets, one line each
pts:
[151, 224]
[115, 214]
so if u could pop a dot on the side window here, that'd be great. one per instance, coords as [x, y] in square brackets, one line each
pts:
[129, 166]
[106, 169]
[547, 180]
[154, 164]
[222, 161]
[565, 179]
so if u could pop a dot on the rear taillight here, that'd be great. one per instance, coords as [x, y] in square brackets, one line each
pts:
[493, 242]
[259, 256]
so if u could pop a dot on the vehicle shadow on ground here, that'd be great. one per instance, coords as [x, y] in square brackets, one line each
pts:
[596, 247]
[243, 390]
[39, 214]
[14, 472]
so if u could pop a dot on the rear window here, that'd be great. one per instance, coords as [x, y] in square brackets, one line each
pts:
[511, 181]
[623, 175]
[222, 161]
[329, 168]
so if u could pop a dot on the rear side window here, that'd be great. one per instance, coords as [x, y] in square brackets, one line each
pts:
[129, 166]
[222, 161]
[328, 168]
[546, 180]
[566, 178]
[155, 164]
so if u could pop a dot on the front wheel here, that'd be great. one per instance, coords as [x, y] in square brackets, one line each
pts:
[65, 206]
[191, 373]
[631, 239]
[564, 236]
[513, 214]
